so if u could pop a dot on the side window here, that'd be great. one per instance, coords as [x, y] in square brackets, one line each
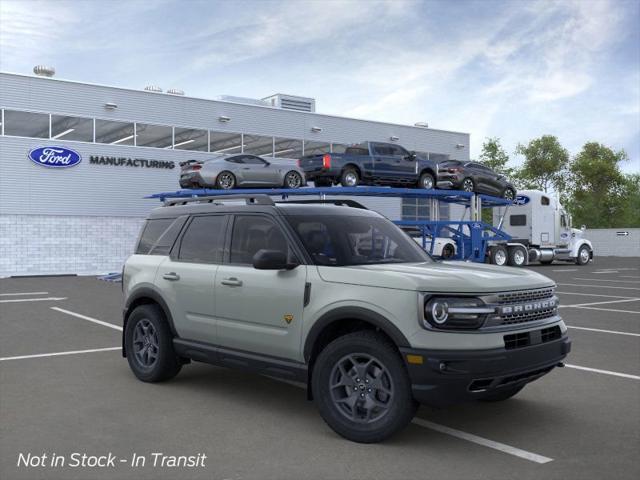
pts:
[253, 160]
[151, 232]
[168, 238]
[544, 201]
[252, 233]
[381, 149]
[203, 241]
[238, 159]
[398, 151]
[563, 221]
[518, 220]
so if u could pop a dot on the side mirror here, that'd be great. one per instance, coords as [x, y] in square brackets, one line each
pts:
[411, 156]
[583, 228]
[272, 260]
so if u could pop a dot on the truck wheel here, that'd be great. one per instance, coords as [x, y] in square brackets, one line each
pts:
[501, 394]
[149, 345]
[517, 256]
[468, 185]
[499, 255]
[349, 177]
[426, 181]
[225, 180]
[584, 255]
[361, 387]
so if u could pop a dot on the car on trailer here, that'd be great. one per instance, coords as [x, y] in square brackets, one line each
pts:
[474, 177]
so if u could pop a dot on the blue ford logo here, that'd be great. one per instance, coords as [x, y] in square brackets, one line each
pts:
[55, 157]
[521, 200]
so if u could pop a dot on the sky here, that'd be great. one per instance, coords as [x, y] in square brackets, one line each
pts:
[513, 69]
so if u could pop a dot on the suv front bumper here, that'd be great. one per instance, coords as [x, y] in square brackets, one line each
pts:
[447, 377]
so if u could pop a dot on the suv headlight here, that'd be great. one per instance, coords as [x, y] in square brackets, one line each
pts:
[450, 313]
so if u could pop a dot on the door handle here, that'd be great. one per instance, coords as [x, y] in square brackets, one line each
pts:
[173, 276]
[232, 282]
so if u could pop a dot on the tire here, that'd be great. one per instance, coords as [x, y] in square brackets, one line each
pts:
[448, 251]
[509, 194]
[584, 255]
[349, 177]
[149, 321]
[395, 405]
[426, 181]
[501, 394]
[468, 185]
[322, 182]
[517, 257]
[293, 180]
[225, 180]
[499, 255]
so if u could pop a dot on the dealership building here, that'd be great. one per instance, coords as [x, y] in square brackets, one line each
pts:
[127, 144]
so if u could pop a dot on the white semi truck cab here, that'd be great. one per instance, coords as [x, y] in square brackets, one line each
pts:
[541, 231]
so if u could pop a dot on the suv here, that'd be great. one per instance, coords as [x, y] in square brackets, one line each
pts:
[339, 298]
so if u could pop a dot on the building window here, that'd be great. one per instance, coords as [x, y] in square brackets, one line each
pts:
[225, 143]
[191, 139]
[258, 145]
[287, 148]
[157, 136]
[415, 209]
[71, 128]
[114, 133]
[316, 148]
[26, 124]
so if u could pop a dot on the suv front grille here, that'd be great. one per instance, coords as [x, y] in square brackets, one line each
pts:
[527, 306]
[520, 296]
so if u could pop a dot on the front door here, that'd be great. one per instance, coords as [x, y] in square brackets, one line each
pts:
[259, 310]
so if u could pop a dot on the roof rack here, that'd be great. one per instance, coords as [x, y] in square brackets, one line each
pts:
[250, 200]
[342, 202]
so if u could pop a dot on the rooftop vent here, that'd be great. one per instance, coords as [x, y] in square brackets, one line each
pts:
[44, 71]
[153, 88]
[175, 91]
[421, 124]
[291, 102]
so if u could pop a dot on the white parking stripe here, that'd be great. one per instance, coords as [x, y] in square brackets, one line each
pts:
[47, 299]
[605, 331]
[629, 276]
[609, 310]
[597, 286]
[56, 354]
[592, 295]
[566, 270]
[532, 457]
[23, 293]
[606, 372]
[607, 280]
[88, 319]
[599, 303]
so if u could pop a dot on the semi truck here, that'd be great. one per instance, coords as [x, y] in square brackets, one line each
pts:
[540, 230]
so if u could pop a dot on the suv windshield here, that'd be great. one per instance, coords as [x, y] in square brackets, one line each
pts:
[355, 240]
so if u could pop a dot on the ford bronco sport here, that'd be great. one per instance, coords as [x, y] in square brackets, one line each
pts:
[339, 298]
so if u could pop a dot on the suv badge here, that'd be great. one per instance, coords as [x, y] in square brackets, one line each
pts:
[288, 318]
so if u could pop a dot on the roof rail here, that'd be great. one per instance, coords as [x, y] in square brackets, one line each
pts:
[219, 199]
[341, 202]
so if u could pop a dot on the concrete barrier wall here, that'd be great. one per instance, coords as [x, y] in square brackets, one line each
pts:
[616, 242]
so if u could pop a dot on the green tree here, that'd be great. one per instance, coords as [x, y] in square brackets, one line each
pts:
[495, 157]
[600, 195]
[545, 164]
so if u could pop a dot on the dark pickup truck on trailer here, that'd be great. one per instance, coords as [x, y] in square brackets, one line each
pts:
[371, 163]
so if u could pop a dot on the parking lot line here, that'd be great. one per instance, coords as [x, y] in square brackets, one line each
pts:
[57, 354]
[629, 276]
[606, 372]
[592, 295]
[566, 270]
[88, 319]
[532, 457]
[605, 331]
[597, 286]
[607, 280]
[607, 271]
[609, 310]
[44, 299]
[600, 303]
[23, 293]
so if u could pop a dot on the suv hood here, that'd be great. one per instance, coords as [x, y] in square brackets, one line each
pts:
[449, 277]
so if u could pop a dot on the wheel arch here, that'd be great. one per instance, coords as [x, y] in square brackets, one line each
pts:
[429, 170]
[355, 166]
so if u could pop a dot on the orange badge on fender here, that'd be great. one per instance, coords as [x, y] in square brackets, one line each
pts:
[288, 318]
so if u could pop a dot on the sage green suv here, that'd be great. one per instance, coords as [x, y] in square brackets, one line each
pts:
[336, 297]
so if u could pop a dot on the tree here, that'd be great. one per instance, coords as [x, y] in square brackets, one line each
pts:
[600, 194]
[545, 164]
[495, 157]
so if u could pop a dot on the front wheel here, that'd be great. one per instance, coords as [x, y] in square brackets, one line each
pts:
[426, 181]
[361, 387]
[468, 185]
[509, 194]
[293, 180]
[584, 255]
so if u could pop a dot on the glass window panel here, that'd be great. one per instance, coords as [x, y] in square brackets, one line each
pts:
[72, 128]
[258, 145]
[158, 136]
[315, 148]
[287, 148]
[26, 124]
[338, 148]
[224, 142]
[204, 240]
[113, 132]
[190, 139]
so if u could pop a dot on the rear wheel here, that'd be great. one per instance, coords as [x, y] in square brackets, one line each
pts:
[293, 179]
[426, 181]
[149, 345]
[361, 387]
[349, 177]
[501, 394]
[517, 256]
[468, 185]
[509, 194]
[499, 255]
[226, 180]
[584, 255]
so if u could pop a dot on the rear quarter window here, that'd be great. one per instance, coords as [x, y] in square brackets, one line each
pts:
[158, 235]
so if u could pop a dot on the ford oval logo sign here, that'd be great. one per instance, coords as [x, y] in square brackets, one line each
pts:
[55, 157]
[521, 200]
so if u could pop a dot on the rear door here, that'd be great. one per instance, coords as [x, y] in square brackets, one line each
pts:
[383, 161]
[187, 277]
[259, 311]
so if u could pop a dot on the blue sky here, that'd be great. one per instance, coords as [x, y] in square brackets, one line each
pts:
[513, 69]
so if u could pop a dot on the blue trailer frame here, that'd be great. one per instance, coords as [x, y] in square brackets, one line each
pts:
[472, 237]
